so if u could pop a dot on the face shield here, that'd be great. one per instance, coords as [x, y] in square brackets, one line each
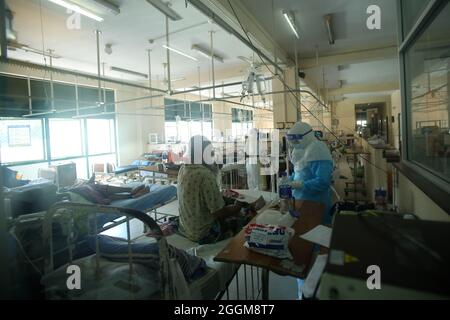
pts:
[295, 140]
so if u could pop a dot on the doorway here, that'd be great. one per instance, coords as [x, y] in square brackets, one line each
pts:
[371, 120]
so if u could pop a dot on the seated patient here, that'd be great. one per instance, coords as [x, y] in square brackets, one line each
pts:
[204, 217]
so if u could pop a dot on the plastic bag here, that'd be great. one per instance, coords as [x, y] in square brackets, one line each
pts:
[272, 240]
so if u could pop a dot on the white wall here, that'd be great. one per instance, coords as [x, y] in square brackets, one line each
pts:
[396, 106]
[410, 198]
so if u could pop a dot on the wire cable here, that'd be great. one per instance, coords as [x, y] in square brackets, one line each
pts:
[292, 91]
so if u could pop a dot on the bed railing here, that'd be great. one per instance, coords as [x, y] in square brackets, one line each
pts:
[83, 218]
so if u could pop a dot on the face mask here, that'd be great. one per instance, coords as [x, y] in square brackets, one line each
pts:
[296, 155]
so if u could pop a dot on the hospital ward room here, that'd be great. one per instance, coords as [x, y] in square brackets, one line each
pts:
[220, 150]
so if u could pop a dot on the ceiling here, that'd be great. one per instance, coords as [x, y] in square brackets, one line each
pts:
[351, 35]
[128, 32]
[348, 24]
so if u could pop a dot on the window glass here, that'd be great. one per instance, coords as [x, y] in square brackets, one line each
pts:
[41, 96]
[65, 138]
[427, 75]
[101, 136]
[21, 140]
[411, 10]
[88, 100]
[65, 98]
[13, 97]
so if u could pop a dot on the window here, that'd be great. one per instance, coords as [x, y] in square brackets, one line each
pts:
[23, 143]
[411, 10]
[427, 85]
[21, 140]
[185, 119]
[361, 123]
[40, 96]
[16, 102]
[101, 136]
[242, 122]
[65, 138]
[13, 96]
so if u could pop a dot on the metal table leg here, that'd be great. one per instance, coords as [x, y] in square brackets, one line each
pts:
[265, 283]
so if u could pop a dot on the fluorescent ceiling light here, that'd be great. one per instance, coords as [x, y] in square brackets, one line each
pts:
[179, 52]
[175, 80]
[68, 5]
[94, 115]
[165, 9]
[134, 73]
[329, 31]
[206, 53]
[291, 21]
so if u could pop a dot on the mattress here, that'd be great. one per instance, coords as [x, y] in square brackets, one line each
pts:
[113, 282]
[158, 195]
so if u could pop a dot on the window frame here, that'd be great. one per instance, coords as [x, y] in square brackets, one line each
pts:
[432, 184]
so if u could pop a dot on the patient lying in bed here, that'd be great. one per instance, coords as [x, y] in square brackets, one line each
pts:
[104, 194]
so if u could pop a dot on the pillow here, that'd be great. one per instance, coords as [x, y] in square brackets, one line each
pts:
[116, 249]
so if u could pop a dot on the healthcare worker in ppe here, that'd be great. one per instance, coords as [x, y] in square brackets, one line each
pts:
[313, 167]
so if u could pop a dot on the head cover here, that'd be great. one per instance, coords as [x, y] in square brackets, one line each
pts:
[300, 135]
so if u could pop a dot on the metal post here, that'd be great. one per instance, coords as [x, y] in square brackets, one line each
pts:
[169, 84]
[212, 65]
[52, 92]
[265, 283]
[3, 39]
[150, 76]
[297, 85]
[104, 87]
[237, 283]
[245, 280]
[253, 284]
[199, 82]
[77, 101]
[97, 36]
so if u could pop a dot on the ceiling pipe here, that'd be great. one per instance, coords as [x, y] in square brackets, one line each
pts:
[219, 21]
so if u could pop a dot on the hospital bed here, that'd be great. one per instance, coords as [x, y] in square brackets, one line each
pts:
[106, 278]
[110, 273]
[63, 246]
[26, 230]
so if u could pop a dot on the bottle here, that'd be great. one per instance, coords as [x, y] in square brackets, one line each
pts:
[380, 199]
[286, 220]
[285, 191]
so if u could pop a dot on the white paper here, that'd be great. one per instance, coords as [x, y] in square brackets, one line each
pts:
[320, 235]
[311, 281]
